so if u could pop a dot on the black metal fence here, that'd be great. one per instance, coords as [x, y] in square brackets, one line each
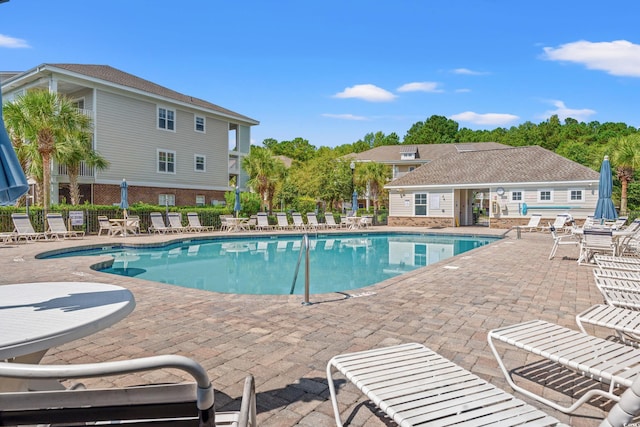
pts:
[88, 218]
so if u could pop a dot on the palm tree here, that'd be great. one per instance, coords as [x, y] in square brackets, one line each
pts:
[625, 157]
[264, 171]
[79, 149]
[373, 176]
[46, 121]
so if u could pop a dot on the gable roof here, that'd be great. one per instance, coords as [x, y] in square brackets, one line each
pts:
[510, 165]
[424, 152]
[106, 73]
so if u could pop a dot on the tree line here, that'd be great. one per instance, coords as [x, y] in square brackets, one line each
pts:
[324, 174]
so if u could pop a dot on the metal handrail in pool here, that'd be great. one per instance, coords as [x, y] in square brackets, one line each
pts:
[304, 247]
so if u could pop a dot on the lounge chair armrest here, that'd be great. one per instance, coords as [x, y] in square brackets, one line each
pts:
[248, 405]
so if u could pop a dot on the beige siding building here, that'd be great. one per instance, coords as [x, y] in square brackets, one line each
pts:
[170, 147]
[504, 186]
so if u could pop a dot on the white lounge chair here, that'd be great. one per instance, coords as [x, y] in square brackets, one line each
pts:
[619, 292]
[615, 265]
[534, 223]
[194, 222]
[560, 223]
[608, 362]
[298, 222]
[157, 224]
[312, 221]
[617, 274]
[263, 221]
[6, 238]
[413, 385]
[559, 240]
[283, 222]
[175, 222]
[330, 221]
[624, 322]
[57, 228]
[598, 258]
[24, 229]
[165, 404]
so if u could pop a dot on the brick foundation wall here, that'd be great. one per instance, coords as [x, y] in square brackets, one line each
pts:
[110, 194]
[502, 222]
[406, 221]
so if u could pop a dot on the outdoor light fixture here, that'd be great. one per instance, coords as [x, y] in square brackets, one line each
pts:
[401, 192]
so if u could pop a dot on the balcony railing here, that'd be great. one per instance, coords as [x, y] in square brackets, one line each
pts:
[234, 165]
[85, 171]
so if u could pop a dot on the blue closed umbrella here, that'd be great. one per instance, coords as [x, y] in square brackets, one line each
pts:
[237, 207]
[13, 183]
[604, 208]
[354, 202]
[124, 194]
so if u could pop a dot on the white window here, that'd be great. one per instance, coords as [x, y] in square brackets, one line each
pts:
[200, 200]
[166, 119]
[199, 163]
[575, 195]
[199, 124]
[78, 103]
[420, 204]
[517, 195]
[408, 156]
[166, 161]
[167, 199]
[545, 196]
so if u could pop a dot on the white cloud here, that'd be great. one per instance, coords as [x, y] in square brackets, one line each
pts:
[493, 119]
[467, 71]
[420, 87]
[344, 116]
[12, 42]
[366, 92]
[618, 58]
[563, 112]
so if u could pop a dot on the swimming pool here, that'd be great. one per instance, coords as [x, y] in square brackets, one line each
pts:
[266, 265]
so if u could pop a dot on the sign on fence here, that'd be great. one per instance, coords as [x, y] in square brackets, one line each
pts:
[76, 217]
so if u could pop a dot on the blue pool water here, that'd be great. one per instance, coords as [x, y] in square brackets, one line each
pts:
[267, 265]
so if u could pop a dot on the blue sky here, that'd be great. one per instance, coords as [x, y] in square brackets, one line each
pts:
[332, 71]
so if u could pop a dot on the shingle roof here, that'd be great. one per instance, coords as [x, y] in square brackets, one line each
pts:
[113, 75]
[425, 152]
[511, 165]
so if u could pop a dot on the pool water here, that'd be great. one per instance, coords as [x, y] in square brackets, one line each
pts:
[267, 265]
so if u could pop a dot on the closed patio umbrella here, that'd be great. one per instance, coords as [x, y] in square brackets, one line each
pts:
[237, 207]
[604, 208]
[13, 182]
[124, 194]
[354, 202]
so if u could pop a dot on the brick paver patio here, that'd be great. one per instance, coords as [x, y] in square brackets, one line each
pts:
[449, 306]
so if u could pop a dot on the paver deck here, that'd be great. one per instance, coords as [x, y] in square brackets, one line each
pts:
[449, 306]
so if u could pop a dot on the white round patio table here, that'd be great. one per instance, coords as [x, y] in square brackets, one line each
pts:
[37, 316]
